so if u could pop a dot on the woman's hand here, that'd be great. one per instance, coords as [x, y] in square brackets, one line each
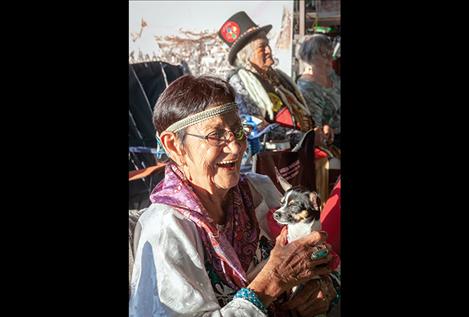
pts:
[319, 137]
[328, 134]
[290, 265]
[314, 299]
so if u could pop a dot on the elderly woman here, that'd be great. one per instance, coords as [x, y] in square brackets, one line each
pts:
[203, 245]
[261, 90]
[320, 85]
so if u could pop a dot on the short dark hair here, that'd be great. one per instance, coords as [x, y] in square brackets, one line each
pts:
[189, 95]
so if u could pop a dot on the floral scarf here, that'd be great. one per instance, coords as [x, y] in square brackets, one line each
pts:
[230, 248]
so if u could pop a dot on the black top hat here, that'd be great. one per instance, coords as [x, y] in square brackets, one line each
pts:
[238, 31]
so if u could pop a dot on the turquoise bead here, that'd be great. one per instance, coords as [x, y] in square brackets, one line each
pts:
[319, 254]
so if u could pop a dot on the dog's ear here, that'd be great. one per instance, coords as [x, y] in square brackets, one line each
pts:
[315, 200]
[283, 182]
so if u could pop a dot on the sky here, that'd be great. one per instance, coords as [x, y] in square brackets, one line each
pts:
[171, 15]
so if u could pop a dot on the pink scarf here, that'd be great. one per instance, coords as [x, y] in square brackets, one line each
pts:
[230, 250]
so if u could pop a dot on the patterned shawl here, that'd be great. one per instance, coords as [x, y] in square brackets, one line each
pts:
[230, 248]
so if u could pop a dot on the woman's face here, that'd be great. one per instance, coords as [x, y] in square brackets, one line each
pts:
[262, 55]
[212, 167]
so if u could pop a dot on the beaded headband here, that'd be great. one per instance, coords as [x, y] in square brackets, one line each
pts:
[202, 116]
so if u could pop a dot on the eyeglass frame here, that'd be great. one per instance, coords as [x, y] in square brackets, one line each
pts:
[224, 140]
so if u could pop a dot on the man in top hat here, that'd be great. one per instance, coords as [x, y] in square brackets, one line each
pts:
[262, 91]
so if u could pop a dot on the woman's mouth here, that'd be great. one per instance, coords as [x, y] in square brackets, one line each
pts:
[229, 165]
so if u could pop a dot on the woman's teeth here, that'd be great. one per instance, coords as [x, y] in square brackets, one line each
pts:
[227, 163]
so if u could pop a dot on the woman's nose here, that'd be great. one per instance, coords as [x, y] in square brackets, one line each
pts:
[234, 145]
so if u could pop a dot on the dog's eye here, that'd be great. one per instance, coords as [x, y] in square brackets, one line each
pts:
[291, 202]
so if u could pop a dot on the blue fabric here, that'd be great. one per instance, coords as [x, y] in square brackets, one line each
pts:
[323, 103]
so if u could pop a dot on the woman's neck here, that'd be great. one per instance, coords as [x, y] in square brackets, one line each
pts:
[214, 202]
[320, 74]
[261, 71]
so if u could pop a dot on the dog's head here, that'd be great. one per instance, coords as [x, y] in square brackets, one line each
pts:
[298, 205]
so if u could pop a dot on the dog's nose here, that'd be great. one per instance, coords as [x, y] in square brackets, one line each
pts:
[276, 215]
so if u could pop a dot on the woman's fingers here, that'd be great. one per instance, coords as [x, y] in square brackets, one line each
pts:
[318, 305]
[311, 270]
[306, 294]
[322, 270]
[282, 237]
[313, 299]
[314, 307]
[329, 288]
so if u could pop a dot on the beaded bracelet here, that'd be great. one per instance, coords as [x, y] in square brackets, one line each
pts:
[249, 295]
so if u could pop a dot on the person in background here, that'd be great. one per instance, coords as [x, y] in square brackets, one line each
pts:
[320, 85]
[262, 90]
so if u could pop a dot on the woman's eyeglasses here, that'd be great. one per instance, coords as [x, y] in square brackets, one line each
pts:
[223, 137]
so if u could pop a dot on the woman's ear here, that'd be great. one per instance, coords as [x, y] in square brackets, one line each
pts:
[171, 146]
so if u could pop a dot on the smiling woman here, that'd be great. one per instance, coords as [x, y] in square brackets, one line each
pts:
[203, 245]
[212, 125]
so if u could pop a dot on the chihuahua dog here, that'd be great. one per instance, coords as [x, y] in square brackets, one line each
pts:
[300, 210]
